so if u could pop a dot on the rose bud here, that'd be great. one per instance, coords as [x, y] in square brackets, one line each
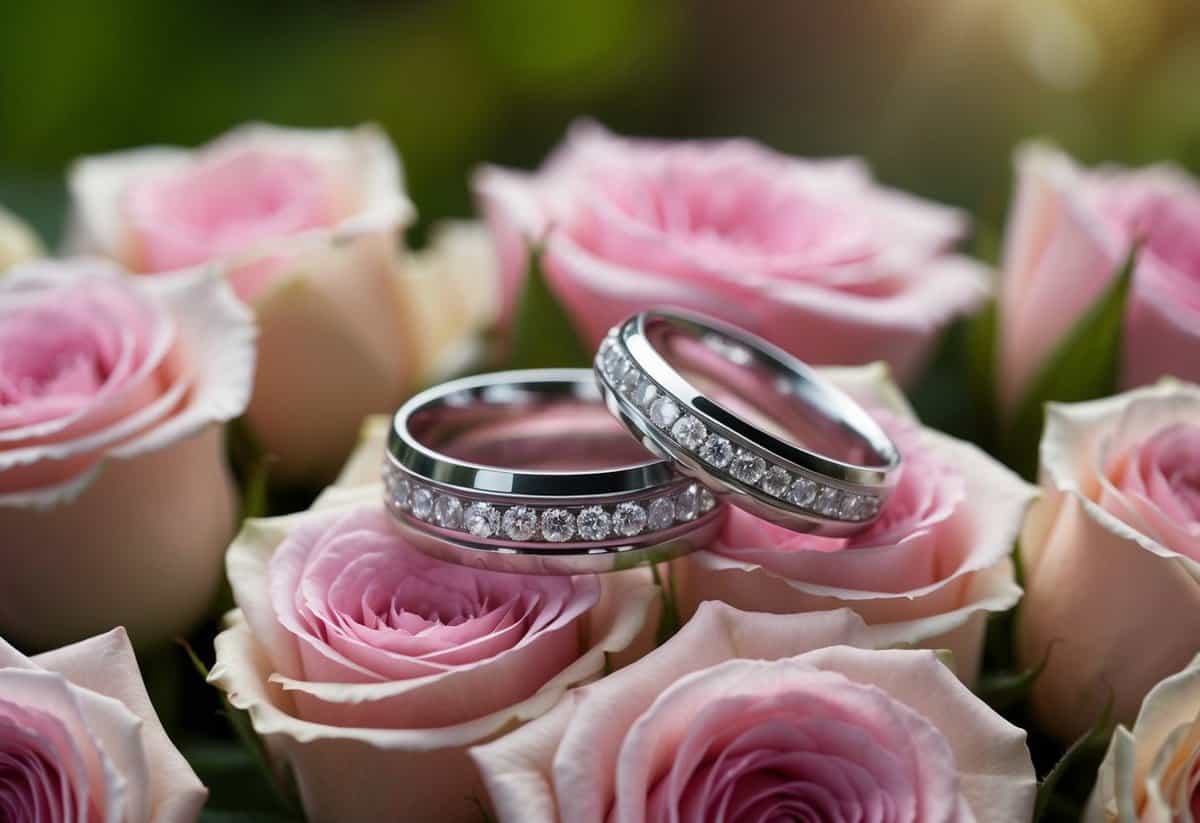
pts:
[813, 255]
[116, 503]
[1069, 232]
[1111, 555]
[79, 740]
[744, 716]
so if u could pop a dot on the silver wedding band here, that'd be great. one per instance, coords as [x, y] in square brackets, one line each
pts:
[755, 425]
[511, 472]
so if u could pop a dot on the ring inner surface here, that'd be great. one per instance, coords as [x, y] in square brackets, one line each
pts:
[528, 430]
[762, 391]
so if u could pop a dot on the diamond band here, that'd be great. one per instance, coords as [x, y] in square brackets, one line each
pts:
[720, 455]
[773, 478]
[523, 523]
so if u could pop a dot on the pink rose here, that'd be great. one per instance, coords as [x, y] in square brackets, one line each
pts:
[79, 740]
[115, 499]
[369, 668]
[927, 573]
[1069, 231]
[306, 224]
[806, 728]
[812, 255]
[1111, 554]
[1152, 770]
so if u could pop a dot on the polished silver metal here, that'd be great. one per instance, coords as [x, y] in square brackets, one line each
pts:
[758, 455]
[525, 472]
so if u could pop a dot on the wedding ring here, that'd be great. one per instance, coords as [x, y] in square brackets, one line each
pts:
[755, 425]
[527, 472]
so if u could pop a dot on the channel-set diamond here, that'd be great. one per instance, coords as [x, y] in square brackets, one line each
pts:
[689, 432]
[482, 519]
[593, 523]
[716, 451]
[447, 512]
[629, 519]
[776, 481]
[520, 523]
[558, 525]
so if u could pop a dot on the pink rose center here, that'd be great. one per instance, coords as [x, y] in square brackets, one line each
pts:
[64, 349]
[1165, 471]
[225, 204]
[369, 607]
[798, 746]
[727, 211]
[36, 761]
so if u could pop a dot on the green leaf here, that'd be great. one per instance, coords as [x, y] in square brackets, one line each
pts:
[1000, 690]
[1085, 753]
[980, 344]
[1082, 367]
[542, 333]
[250, 746]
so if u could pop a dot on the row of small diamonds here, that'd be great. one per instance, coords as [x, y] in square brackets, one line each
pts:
[691, 433]
[554, 524]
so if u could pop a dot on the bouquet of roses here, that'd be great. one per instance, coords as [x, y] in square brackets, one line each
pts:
[659, 568]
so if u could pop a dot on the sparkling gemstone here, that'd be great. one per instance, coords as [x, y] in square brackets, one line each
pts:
[851, 507]
[628, 385]
[645, 394]
[717, 450]
[593, 523]
[519, 523]
[664, 412]
[707, 501]
[447, 512]
[828, 501]
[776, 481]
[398, 488]
[603, 353]
[868, 508]
[748, 467]
[629, 519]
[803, 492]
[620, 365]
[482, 519]
[422, 503]
[687, 504]
[558, 525]
[610, 356]
[689, 432]
[661, 514]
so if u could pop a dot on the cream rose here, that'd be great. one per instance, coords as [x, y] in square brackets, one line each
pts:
[369, 668]
[1111, 554]
[1151, 771]
[927, 574]
[115, 499]
[79, 740]
[306, 224]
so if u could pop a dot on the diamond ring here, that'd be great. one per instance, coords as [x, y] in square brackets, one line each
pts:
[526, 471]
[755, 425]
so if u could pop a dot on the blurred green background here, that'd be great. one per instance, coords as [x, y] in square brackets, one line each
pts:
[933, 92]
